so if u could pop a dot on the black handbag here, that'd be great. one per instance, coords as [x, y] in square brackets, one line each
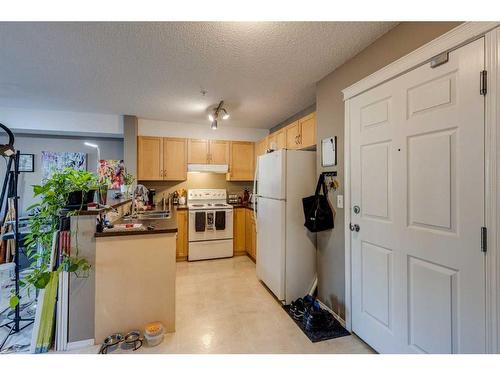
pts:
[317, 210]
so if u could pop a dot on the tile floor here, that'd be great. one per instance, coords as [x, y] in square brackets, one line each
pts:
[223, 308]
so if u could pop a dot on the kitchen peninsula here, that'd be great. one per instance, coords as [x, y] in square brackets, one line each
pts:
[135, 276]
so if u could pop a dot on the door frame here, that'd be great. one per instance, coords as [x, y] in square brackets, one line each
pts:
[451, 40]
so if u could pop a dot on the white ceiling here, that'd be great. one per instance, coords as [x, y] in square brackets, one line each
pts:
[265, 72]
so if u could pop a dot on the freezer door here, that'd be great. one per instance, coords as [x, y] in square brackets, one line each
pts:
[272, 175]
[271, 245]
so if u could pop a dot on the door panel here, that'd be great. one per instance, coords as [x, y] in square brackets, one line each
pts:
[271, 245]
[149, 158]
[174, 159]
[272, 175]
[307, 130]
[198, 151]
[242, 161]
[292, 136]
[219, 152]
[417, 172]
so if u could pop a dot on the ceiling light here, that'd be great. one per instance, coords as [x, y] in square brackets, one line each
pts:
[214, 116]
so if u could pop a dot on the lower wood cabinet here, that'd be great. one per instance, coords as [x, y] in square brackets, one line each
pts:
[239, 241]
[182, 235]
[251, 234]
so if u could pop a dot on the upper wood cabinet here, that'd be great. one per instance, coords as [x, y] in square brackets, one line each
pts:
[174, 159]
[297, 135]
[277, 140]
[293, 136]
[198, 151]
[261, 147]
[218, 152]
[161, 158]
[203, 151]
[242, 161]
[149, 158]
[307, 127]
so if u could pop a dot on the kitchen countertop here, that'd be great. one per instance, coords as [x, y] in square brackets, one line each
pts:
[160, 226]
[110, 202]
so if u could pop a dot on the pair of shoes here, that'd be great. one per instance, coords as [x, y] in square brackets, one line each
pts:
[317, 320]
[297, 309]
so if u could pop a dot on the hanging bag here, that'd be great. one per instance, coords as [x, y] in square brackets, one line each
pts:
[317, 210]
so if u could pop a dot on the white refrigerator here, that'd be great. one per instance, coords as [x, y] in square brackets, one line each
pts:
[286, 250]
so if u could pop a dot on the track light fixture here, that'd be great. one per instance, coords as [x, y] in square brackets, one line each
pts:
[217, 112]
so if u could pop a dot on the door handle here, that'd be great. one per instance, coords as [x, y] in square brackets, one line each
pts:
[354, 227]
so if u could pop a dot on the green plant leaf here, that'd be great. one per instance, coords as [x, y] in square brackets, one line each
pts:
[14, 301]
[42, 280]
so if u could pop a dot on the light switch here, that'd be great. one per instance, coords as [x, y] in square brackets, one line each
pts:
[340, 201]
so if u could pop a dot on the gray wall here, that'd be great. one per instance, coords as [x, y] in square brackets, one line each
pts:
[111, 148]
[398, 42]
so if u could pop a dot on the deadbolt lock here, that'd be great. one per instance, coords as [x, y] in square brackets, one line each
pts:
[356, 209]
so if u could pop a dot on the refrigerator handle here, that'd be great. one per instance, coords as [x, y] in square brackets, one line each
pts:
[254, 193]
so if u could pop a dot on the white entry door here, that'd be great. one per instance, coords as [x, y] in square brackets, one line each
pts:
[417, 176]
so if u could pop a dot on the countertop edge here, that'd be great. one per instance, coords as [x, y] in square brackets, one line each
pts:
[134, 233]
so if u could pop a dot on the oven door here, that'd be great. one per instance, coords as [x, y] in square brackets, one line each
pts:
[210, 232]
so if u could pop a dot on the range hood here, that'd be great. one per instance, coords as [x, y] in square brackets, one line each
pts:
[210, 168]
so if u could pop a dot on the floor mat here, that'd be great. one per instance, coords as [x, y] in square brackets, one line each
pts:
[335, 330]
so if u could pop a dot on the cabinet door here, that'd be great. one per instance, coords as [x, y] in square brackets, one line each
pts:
[253, 230]
[272, 142]
[281, 139]
[248, 231]
[261, 147]
[174, 159]
[219, 152]
[292, 136]
[239, 231]
[149, 158]
[242, 161]
[182, 235]
[308, 130]
[198, 151]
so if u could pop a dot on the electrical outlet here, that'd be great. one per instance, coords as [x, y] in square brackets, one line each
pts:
[340, 201]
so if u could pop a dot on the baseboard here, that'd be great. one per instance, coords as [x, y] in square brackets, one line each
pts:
[336, 316]
[80, 344]
[239, 253]
[181, 259]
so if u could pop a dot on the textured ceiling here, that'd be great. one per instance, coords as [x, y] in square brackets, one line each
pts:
[265, 72]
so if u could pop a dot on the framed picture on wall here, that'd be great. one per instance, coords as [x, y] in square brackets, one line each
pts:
[26, 162]
[329, 152]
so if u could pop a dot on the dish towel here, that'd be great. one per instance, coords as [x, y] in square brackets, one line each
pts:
[199, 221]
[220, 220]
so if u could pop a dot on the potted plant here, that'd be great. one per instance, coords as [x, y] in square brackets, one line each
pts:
[54, 196]
[128, 181]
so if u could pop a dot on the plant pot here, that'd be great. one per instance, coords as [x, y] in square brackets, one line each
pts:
[103, 196]
[77, 199]
[124, 189]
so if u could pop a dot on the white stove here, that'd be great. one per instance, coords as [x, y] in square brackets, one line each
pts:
[210, 224]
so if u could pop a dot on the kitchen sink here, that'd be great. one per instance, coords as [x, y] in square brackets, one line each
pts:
[149, 215]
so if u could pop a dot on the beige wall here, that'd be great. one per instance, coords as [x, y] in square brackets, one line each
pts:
[198, 181]
[398, 42]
